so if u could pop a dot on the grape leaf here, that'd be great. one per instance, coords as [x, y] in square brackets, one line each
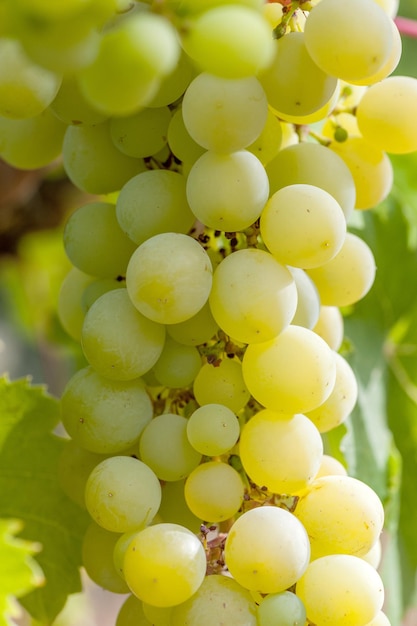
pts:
[29, 491]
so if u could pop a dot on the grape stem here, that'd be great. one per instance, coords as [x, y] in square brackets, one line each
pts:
[407, 26]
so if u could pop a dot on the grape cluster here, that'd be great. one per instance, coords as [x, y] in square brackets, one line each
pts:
[226, 146]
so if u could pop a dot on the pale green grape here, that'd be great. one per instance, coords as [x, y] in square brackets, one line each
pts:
[330, 466]
[169, 278]
[313, 164]
[380, 619]
[174, 84]
[341, 515]
[230, 41]
[141, 134]
[280, 452]
[132, 58]
[341, 589]
[45, 10]
[293, 373]
[122, 494]
[222, 114]
[120, 548]
[392, 61]
[281, 609]
[75, 466]
[267, 549]
[198, 329]
[222, 384]
[165, 564]
[330, 326]
[347, 277]
[174, 508]
[213, 429]
[227, 191]
[303, 226]
[268, 143]
[26, 89]
[70, 106]
[97, 288]
[180, 141]
[131, 613]
[190, 7]
[293, 83]
[374, 555]
[178, 365]
[31, 143]
[93, 163]
[70, 311]
[386, 114]
[91, 254]
[158, 615]
[154, 202]
[214, 491]
[102, 415]
[341, 402]
[97, 558]
[118, 341]
[165, 448]
[253, 297]
[370, 167]
[220, 600]
[308, 300]
[350, 40]
[390, 7]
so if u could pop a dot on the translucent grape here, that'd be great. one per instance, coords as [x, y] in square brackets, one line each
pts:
[178, 365]
[284, 608]
[380, 619]
[180, 141]
[341, 589]
[131, 613]
[393, 59]
[293, 373]
[280, 452]
[175, 83]
[70, 106]
[213, 429]
[227, 191]
[253, 297]
[268, 143]
[330, 326]
[308, 300]
[374, 555]
[151, 565]
[164, 446]
[330, 466]
[198, 329]
[69, 308]
[97, 288]
[142, 134]
[74, 467]
[222, 384]
[174, 508]
[158, 615]
[267, 549]
[122, 494]
[97, 558]
[120, 548]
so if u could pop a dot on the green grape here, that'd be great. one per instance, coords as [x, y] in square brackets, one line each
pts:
[280, 452]
[308, 300]
[180, 141]
[118, 341]
[154, 202]
[91, 254]
[293, 373]
[141, 134]
[303, 226]
[330, 466]
[213, 429]
[122, 494]
[214, 491]
[131, 613]
[268, 143]
[102, 415]
[351, 40]
[174, 508]
[45, 10]
[253, 297]
[380, 619]
[158, 615]
[97, 288]
[169, 278]
[26, 89]
[70, 311]
[341, 515]
[392, 61]
[190, 7]
[293, 83]
[93, 163]
[70, 106]
[97, 558]
[195, 331]
[178, 365]
[313, 164]
[164, 447]
[152, 560]
[370, 167]
[120, 548]
[74, 467]
[174, 84]
[222, 384]
[224, 115]
[341, 402]
[347, 277]
[31, 143]
[267, 550]
[390, 7]
[220, 600]
[132, 58]
[374, 555]
[386, 115]
[227, 191]
[330, 326]
[341, 589]
[231, 41]
[281, 609]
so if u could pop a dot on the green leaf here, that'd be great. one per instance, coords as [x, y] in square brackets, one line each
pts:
[29, 491]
